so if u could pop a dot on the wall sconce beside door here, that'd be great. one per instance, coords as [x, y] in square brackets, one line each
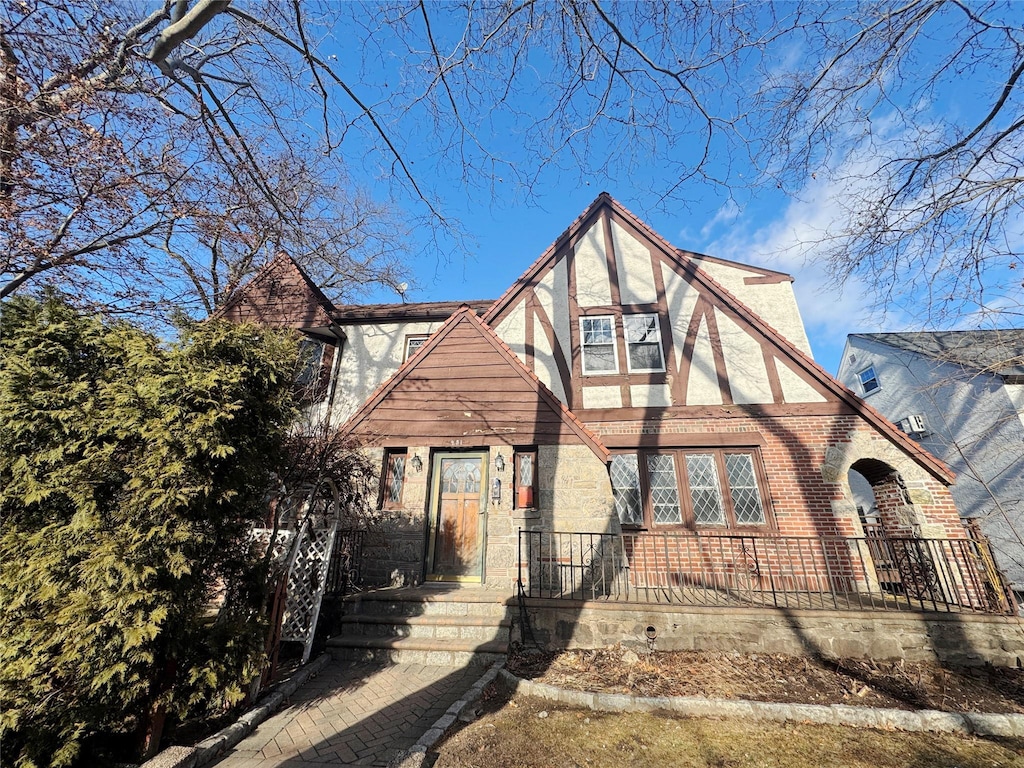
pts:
[417, 463]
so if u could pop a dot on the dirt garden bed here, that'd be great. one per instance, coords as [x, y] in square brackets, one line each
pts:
[767, 677]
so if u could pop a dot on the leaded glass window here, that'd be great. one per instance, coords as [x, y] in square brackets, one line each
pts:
[394, 478]
[705, 491]
[625, 476]
[710, 487]
[661, 475]
[746, 498]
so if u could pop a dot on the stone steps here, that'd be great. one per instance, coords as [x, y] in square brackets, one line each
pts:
[440, 624]
[479, 628]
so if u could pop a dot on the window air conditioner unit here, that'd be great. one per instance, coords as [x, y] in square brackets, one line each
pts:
[914, 424]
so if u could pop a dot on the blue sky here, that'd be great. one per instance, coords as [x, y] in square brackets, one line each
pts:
[514, 184]
[509, 235]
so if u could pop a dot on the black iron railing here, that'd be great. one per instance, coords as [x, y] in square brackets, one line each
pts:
[867, 573]
[345, 570]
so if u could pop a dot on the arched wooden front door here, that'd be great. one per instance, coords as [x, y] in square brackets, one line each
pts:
[458, 512]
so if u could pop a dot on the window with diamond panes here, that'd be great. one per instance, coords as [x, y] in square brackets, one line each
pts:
[709, 488]
[597, 344]
[394, 478]
[746, 497]
[705, 491]
[625, 476]
[661, 476]
[643, 343]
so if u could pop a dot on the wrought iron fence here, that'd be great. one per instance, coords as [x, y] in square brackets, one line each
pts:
[867, 573]
[346, 562]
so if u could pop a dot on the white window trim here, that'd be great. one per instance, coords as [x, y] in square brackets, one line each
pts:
[614, 345]
[860, 380]
[661, 351]
[420, 337]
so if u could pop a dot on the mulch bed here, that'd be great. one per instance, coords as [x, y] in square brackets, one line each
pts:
[768, 677]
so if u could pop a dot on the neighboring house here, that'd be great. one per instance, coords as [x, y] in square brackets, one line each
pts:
[960, 395]
[619, 385]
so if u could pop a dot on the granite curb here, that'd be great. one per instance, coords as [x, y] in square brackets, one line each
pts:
[416, 755]
[210, 748]
[972, 723]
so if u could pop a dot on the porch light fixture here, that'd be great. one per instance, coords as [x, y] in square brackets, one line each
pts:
[499, 463]
[417, 463]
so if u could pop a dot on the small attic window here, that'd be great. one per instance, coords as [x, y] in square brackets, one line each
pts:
[869, 380]
[413, 343]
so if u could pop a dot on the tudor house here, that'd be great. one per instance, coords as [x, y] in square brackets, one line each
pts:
[621, 388]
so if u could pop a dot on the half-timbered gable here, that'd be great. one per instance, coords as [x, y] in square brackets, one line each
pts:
[615, 320]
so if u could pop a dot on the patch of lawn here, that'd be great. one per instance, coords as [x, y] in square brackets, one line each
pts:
[531, 732]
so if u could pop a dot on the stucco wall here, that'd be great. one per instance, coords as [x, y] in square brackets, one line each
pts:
[370, 354]
[775, 303]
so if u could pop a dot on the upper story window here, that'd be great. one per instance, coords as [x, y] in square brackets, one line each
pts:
[597, 344]
[643, 343]
[869, 380]
[698, 487]
[412, 343]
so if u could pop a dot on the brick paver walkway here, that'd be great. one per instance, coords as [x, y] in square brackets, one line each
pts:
[354, 713]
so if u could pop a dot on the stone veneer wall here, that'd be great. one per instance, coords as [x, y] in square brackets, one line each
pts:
[953, 639]
[396, 538]
[574, 495]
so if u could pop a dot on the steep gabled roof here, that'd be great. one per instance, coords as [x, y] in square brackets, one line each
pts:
[579, 224]
[431, 391]
[280, 295]
[1000, 352]
[688, 262]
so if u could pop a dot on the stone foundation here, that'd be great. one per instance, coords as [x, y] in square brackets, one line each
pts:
[950, 639]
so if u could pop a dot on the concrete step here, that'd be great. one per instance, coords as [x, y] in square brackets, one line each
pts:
[437, 652]
[429, 601]
[479, 628]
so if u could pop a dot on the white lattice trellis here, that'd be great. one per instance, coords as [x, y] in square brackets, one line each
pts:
[282, 542]
[307, 581]
[307, 555]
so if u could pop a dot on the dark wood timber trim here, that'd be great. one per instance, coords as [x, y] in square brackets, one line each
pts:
[528, 329]
[773, 410]
[611, 260]
[563, 367]
[692, 329]
[665, 322]
[773, 374]
[767, 279]
[575, 394]
[685, 440]
[716, 350]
